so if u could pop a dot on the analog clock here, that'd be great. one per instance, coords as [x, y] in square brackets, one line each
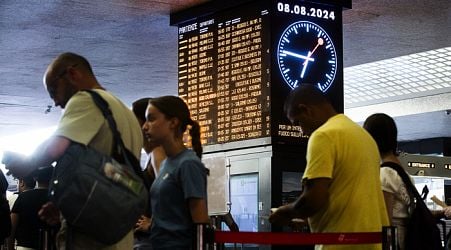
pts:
[306, 54]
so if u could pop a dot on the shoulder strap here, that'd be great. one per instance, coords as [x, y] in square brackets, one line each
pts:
[118, 145]
[405, 178]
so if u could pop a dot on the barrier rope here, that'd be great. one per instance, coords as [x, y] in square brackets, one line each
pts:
[268, 238]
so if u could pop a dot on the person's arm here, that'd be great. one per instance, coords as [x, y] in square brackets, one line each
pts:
[45, 154]
[199, 211]
[389, 199]
[11, 238]
[438, 214]
[49, 213]
[314, 197]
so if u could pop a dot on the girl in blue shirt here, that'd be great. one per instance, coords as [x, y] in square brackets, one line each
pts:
[179, 194]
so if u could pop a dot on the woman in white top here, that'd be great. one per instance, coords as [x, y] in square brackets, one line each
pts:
[397, 200]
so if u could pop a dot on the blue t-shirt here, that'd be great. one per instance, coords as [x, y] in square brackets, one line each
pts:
[181, 177]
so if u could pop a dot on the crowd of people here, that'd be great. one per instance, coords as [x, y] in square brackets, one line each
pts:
[344, 189]
[172, 168]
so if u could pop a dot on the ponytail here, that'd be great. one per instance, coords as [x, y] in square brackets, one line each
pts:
[194, 132]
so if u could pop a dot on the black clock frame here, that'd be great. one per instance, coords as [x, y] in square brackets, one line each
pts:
[279, 88]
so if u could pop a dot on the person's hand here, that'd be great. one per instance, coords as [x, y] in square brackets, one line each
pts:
[281, 216]
[143, 224]
[49, 213]
[297, 225]
[447, 211]
[16, 164]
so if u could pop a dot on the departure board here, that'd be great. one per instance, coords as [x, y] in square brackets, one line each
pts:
[224, 74]
[236, 66]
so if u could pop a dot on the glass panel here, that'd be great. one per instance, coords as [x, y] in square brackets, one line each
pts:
[244, 197]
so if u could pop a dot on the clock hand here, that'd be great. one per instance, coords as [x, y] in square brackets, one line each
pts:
[305, 64]
[298, 55]
[320, 42]
[309, 54]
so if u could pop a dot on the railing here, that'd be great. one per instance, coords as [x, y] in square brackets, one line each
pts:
[209, 239]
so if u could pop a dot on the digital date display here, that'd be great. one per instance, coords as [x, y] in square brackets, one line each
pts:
[305, 11]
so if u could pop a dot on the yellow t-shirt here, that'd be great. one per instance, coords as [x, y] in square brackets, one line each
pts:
[344, 152]
[83, 122]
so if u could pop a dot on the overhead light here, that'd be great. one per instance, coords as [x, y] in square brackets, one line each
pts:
[416, 75]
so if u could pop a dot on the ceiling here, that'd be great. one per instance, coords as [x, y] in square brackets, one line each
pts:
[133, 51]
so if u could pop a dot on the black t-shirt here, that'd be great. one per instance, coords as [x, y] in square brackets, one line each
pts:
[27, 206]
[5, 219]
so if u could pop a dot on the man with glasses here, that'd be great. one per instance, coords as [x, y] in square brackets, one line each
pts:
[82, 122]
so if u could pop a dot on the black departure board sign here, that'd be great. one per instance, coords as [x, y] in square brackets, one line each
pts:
[306, 48]
[237, 64]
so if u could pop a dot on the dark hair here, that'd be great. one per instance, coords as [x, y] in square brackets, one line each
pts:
[305, 94]
[175, 107]
[29, 181]
[3, 183]
[43, 175]
[383, 130]
[139, 108]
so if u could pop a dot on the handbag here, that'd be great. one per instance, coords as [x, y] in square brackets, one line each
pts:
[98, 195]
[422, 231]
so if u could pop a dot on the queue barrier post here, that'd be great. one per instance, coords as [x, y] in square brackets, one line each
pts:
[204, 238]
[389, 238]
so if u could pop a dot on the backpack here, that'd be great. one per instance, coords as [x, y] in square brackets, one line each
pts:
[422, 231]
[99, 195]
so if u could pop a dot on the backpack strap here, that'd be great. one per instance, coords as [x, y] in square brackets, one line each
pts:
[119, 149]
[405, 178]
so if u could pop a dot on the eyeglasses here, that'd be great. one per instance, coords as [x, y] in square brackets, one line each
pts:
[52, 86]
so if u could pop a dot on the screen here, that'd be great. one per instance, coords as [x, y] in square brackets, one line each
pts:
[237, 65]
[222, 65]
[244, 201]
[291, 186]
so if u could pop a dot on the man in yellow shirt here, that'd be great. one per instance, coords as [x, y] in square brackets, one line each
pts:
[341, 186]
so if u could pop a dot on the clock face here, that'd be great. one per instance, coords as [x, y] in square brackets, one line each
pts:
[306, 54]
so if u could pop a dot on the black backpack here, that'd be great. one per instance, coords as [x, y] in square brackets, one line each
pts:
[422, 231]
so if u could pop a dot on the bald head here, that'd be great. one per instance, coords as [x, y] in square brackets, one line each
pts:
[66, 75]
[65, 60]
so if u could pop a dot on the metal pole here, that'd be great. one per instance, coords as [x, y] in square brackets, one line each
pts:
[389, 238]
[204, 237]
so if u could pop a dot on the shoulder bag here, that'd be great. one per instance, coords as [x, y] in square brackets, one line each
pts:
[422, 231]
[98, 195]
